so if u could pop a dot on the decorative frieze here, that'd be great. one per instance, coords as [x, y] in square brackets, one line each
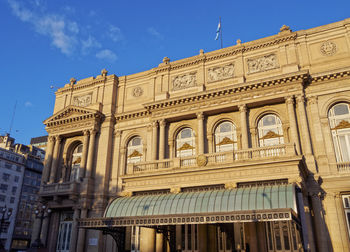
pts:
[83, 100]
[220, 72]
[184, 81]
[261, 64]
[328, 48]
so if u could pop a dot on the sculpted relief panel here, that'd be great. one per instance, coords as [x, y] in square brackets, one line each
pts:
[184, 81]
[220, 72]
[83, 100]
[261, 64]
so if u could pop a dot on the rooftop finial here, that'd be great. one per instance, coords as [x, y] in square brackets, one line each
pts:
[72, 81]
[104, 72]
[166, 60]
[239, 41]
[201, 52]
[285, 28]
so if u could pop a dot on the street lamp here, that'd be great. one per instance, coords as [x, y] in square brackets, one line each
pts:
[4, 217]
[40, 213]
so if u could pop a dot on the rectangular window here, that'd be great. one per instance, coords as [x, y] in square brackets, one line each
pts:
[18, 168]
[5, 177]
[12, 200]
[14, 189]
[2, 198]
[16, 178]
[3, 187]
[8, 165]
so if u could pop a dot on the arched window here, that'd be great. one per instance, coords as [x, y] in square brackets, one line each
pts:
[339, 120]
[270, 130]
[135, 150]
[76, 160]
[225, 137]
[185, 143]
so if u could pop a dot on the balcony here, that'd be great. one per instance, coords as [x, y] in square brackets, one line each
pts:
[64, 188]
[212, 159]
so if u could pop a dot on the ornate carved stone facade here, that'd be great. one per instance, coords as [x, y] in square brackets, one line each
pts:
[228, 131]
[83, 100]
[184, 81]
[220, 72]
[264, 63]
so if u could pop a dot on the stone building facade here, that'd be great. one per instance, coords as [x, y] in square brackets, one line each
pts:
[246, 148]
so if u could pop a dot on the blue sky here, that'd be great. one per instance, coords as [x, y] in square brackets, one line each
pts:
[45, 43]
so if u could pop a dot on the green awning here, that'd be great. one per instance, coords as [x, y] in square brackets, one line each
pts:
[265, 203]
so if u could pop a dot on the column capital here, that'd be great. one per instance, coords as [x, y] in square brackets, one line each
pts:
[93, 131]
[242, 108]
[117, 133]
[162, 122]
[58, 138]
[200, 115]
[289, 99]
[154, 124]
[86, 132]
[51, 138]
[312, 99]
[300, 98]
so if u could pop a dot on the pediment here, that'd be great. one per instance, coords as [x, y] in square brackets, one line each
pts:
[72, 113]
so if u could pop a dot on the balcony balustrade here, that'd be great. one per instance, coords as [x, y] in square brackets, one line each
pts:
[213, 159]
[60, 188]
[343, 167]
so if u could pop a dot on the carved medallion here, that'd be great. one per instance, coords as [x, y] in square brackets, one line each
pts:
[328, 48]
[83, 100]
[202, 160]
[184, 81]
[220, 72]
[264, 63]
[138, 91]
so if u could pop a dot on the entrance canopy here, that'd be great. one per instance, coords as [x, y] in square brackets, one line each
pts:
[265, 203]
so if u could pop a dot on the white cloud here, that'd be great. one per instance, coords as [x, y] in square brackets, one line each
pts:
[115, 33]
[106, 54]
[88, 44]
[28, 104]
[61, 31]
[155, 33]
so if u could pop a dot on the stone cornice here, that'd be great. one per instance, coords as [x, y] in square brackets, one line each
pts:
[339, 73]
[299, 76]
[88, 82]
[132, 115]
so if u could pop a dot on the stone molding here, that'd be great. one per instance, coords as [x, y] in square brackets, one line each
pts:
[184, 81]
[82, 100]
[263, 63]
[220, 72]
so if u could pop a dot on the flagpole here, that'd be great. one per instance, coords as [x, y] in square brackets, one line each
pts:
[220, 32]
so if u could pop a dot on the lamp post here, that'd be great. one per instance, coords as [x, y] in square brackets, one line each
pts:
[4, 217]
[40, 213]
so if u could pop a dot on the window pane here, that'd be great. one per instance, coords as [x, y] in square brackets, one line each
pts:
[269, 120]
[225, 127]
[186, 133]
[341, 109]
[344, 148]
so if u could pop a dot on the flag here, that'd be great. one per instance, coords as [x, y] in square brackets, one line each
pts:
[218, 31]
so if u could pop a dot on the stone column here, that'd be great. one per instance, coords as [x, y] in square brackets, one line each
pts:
[147, 240]
[82, 232]
[321, 240]
[162, 124]
[293, 123]
[73, 239]
[91, 152]
[329, 147]
[44, 229]
[84, 154]
[154, 140]
[172, 149]
[211, 144]
[48, 159]
[116, 168]
[55, 157]
[304, 125]
[159, 242]
[36, 230]
[200, 117]
[123, 164]
[244, 126]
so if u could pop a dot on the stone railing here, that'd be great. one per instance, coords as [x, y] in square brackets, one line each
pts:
[343, 167]
[212, 159]
[60, 188]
